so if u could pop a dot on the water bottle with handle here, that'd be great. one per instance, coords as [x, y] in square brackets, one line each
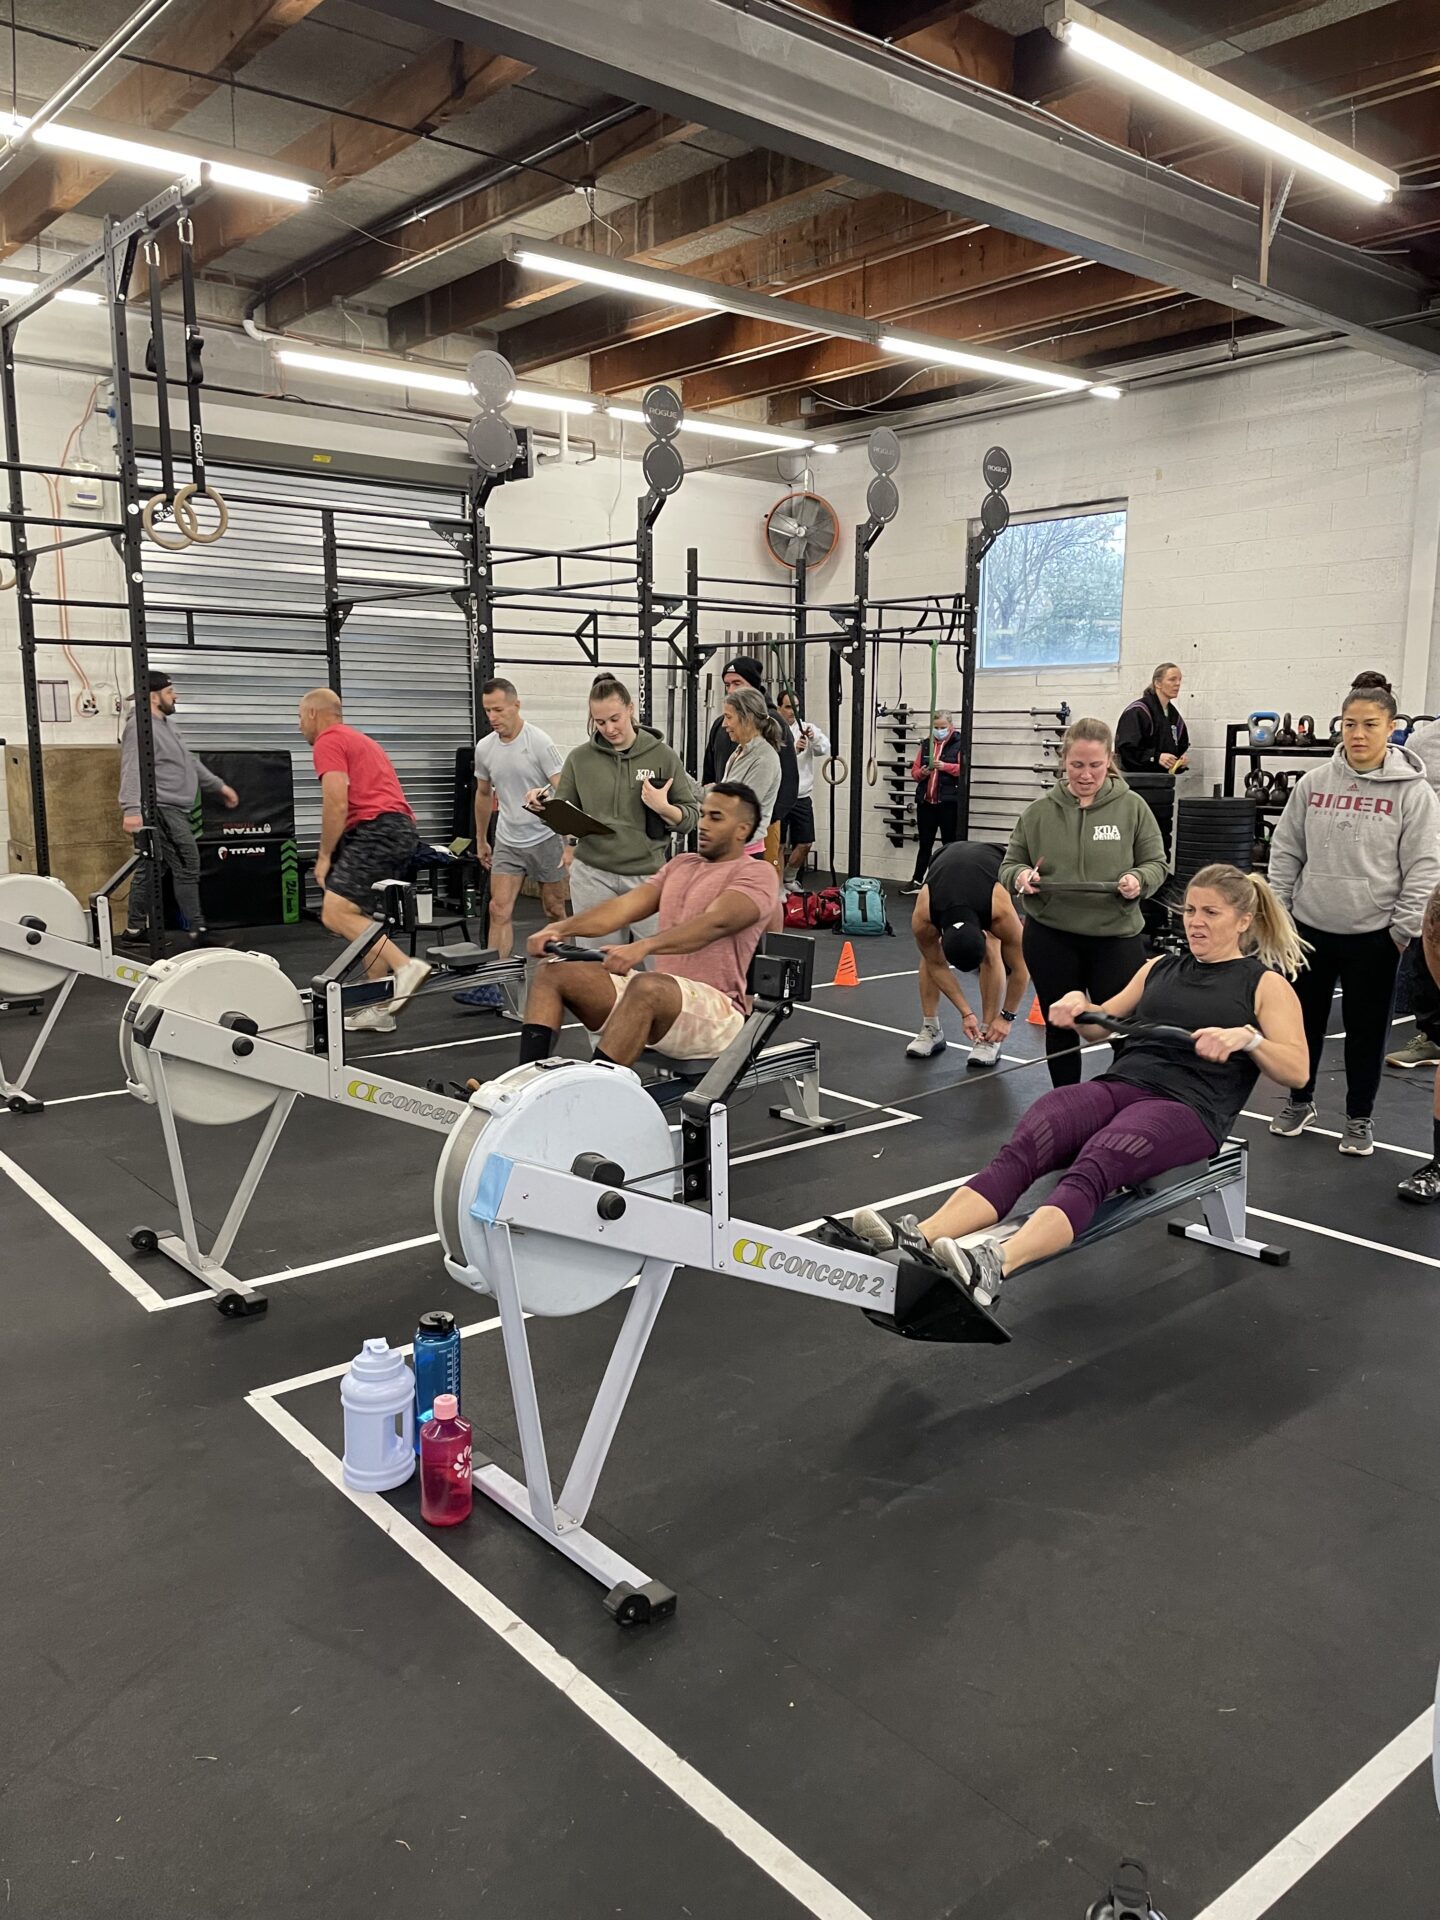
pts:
[445, 1489]
[378, 1396]
[437, 1364]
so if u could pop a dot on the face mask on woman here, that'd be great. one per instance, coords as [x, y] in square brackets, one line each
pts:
[940, 732]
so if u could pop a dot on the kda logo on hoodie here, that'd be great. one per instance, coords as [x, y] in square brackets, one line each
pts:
[1110, 832]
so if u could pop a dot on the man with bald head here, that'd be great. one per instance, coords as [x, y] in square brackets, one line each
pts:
[367, 834]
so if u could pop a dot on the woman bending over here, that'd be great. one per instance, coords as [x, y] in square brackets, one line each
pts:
[1159, 1106]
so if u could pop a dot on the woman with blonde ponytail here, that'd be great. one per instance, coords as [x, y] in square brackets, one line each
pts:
[1159, 1105]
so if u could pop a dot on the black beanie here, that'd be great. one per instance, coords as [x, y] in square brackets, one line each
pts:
[748, 668]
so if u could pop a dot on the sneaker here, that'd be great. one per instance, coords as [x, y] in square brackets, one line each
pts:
[910, 889]
[133, 936]
[409, 980]
[1358, 1137]
[904, 1235]
[1293, 1118]
[374, 1019]
[979, 1269]
[1419, 1052]
[490, 998]
[984, 1053]
[1423, 1186]
[927, 1043]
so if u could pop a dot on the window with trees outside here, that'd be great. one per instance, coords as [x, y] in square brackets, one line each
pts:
[1050, 591]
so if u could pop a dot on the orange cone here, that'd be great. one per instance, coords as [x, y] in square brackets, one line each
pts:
[847, 974]
[1035, 1018]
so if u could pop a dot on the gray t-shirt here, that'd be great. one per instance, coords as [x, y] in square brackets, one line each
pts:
[513, 767]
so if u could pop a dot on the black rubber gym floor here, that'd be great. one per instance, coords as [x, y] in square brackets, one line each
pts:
[958, 1627]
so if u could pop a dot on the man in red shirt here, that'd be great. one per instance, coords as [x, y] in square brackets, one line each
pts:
[367, 834]
[713, 905]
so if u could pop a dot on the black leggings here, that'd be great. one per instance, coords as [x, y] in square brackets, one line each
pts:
[930, 820]
[1365, 965]
[1098, 964]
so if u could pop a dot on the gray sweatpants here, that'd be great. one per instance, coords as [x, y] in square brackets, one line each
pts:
[589, 886]
[178, 851]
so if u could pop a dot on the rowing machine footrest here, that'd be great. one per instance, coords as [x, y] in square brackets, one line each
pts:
[640, 1606]
[931, 1304]
[460, 956]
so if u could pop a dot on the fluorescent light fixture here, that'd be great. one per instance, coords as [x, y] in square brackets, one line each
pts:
[1107, 393]
[381, 373]
[168, 160]
[579, 266]
[78, 296]
[829, 447]
[1001, 366]
[724, 430]
[1154, 70]
[554, 402]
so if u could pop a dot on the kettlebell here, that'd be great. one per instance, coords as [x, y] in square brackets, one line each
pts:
[1262, 728]
[1258, 784]
[1285, 734]
[1280, 786]
[1335, 731]
[1305, 730]
[1401, 731]
[1129, 1895]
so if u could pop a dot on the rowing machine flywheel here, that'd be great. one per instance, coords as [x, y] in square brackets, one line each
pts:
[549, 1114]
[208, 986]
[37, 897]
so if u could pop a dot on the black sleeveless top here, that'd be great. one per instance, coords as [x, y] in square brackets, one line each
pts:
[1181, 991]
[962, 879]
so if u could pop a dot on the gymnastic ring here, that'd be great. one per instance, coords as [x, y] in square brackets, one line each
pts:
[188, 520]
[147, 520]
[828, 772]
[872, 771]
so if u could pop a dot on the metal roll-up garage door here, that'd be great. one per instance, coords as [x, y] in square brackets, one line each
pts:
[240, 627]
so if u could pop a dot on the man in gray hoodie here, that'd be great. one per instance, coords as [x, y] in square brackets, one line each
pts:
[178, 774]
[1355, 857]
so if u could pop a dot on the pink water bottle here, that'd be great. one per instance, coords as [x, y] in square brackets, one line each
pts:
[445, 1465]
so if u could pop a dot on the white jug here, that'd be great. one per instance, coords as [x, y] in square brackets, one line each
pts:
[378, 1395]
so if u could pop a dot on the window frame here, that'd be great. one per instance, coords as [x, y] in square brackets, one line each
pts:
[1077, 510]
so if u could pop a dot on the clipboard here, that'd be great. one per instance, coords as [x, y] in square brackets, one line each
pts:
[561, 817]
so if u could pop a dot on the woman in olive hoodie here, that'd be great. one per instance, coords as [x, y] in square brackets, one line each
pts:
[1088, 827]
[636, 783]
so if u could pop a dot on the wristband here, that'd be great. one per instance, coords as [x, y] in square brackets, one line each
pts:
[1008, 1018]
[1256, 1039]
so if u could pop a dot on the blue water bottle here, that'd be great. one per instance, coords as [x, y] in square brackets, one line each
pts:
[437, 1365]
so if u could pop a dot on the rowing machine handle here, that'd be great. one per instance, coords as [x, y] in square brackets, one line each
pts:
[571, 950]
[1133, 1029]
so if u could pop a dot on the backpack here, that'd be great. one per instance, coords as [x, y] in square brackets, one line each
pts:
[862, 909]
[811, 910]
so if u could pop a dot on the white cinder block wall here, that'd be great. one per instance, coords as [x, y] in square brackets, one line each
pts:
[1272, 519]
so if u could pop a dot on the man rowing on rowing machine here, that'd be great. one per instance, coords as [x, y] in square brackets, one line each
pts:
[714, 906]
[1159, 1105]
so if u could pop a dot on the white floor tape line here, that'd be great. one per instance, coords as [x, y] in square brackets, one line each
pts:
[1270, 1879]
[814, 1894]
[315, 1266]
[120, 1271]
[70, 1100]
[1350, 1239]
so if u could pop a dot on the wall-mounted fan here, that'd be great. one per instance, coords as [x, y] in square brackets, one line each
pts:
[802, 526]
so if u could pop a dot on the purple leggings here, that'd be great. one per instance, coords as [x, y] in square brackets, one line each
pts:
[1106, 1134]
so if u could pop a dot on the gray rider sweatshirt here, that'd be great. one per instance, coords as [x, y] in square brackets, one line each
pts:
[1355, 852]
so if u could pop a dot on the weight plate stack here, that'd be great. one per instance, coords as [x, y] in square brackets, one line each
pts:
[1215, 830]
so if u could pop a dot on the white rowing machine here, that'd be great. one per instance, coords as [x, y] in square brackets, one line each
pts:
[531, 1214]
[49, 941]
[219, 1037]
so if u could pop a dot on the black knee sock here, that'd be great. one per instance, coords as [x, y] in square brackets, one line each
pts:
[605, 1059]
[1436, 1125]
[536, 1042]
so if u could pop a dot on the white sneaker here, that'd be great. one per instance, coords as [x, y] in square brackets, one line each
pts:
[373, 1019]
[408, 981]
[927, 1043]
[984, 1053]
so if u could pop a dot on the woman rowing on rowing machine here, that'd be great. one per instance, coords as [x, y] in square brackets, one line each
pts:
[1200, 1028]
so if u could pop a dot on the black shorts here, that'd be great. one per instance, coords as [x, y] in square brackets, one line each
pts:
[798, 827]
[368, 852]
[1418, 991]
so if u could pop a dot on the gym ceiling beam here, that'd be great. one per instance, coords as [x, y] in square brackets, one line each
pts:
[776, 79]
